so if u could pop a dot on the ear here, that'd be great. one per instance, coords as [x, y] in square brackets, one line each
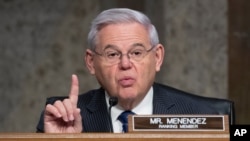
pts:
[159, 55]
[89, 60]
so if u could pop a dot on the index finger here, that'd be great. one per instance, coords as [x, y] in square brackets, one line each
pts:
[74, 92]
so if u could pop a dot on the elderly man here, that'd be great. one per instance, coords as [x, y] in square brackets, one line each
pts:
[124, 54]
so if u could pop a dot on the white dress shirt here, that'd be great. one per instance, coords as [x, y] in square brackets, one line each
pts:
[145, 107]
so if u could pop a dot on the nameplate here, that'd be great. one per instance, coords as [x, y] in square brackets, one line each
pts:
[177, 123]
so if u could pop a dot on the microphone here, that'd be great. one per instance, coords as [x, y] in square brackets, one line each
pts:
[112, 102]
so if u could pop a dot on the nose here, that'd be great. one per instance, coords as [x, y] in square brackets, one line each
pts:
[125, 62]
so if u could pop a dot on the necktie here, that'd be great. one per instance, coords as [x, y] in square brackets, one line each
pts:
[123, 117]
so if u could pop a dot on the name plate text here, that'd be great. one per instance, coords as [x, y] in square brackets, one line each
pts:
[178, 122]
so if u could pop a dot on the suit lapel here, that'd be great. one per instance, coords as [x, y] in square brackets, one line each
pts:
[97, 113]
[162, 103]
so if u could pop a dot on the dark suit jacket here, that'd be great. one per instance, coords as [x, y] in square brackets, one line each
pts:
[166, 100]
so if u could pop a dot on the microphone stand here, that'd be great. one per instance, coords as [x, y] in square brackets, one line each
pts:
[112, 102]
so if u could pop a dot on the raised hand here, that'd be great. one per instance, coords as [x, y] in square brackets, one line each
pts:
[64, 116]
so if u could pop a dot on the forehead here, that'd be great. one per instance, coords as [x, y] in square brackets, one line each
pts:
[122, 35]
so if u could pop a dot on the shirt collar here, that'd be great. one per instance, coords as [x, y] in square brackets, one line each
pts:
[145, 107]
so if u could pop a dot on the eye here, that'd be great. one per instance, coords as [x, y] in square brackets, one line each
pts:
[136, 53]
[112, 54]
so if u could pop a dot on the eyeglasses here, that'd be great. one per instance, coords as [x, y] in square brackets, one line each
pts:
[113, 56]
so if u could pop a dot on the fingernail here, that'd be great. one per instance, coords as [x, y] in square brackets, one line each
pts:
[66, 119]
[71, 117]
[59, 115]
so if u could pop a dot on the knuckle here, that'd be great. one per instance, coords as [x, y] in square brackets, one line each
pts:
[66, 100]
[58, 102]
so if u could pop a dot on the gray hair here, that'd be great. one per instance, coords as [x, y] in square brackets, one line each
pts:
[120, 15]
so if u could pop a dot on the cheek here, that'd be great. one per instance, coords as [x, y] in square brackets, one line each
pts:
[105, 75]
[148, 67]
[147, 71]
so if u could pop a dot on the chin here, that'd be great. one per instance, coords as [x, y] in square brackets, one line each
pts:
[127, 97]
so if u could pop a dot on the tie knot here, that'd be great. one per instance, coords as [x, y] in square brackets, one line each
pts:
[123, 117]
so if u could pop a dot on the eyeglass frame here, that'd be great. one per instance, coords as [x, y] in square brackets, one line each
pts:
[121, 54]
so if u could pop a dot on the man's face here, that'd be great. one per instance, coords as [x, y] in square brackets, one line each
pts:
[128, 79]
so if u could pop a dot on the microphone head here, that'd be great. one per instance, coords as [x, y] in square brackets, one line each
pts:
[113, 101]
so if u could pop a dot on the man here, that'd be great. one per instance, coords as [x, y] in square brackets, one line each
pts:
[124, 54]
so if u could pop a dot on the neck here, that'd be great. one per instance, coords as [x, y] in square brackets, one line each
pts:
[129, 104]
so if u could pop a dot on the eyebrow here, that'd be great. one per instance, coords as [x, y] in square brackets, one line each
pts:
[116, 47]
[110, 46]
